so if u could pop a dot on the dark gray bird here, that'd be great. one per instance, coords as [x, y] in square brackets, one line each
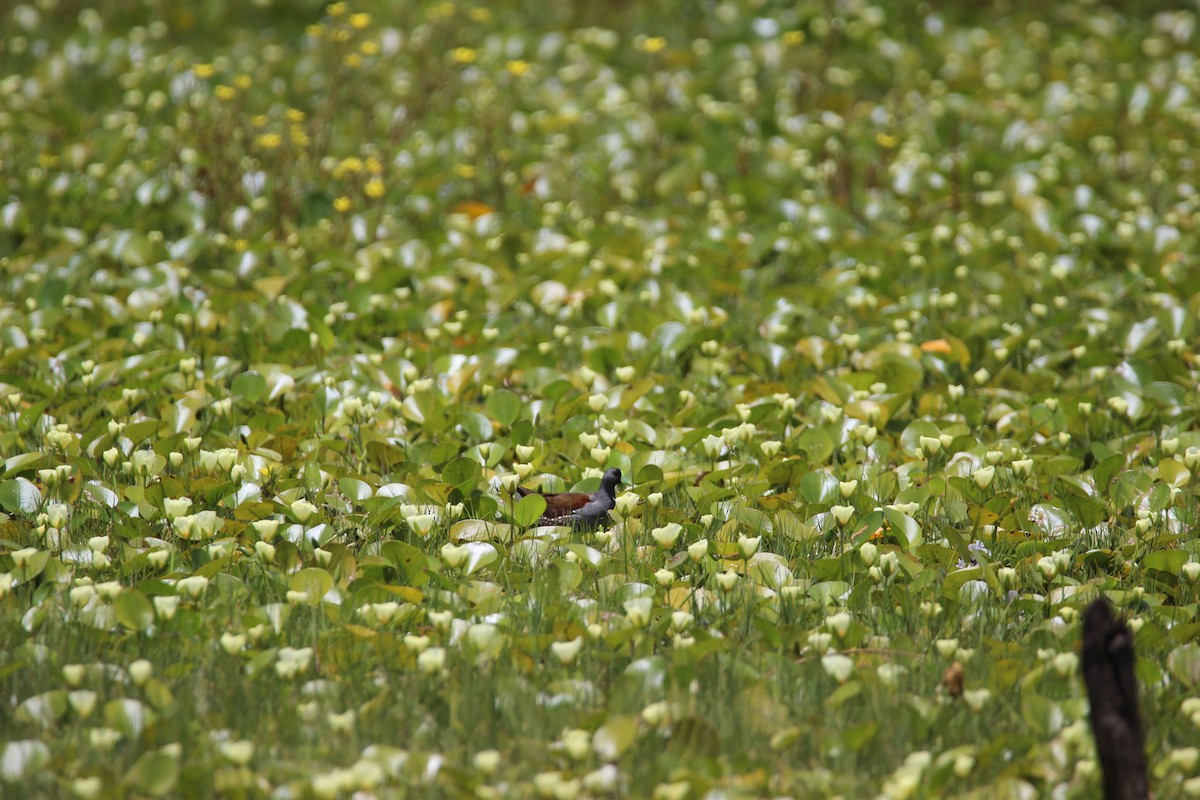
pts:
[580, 509]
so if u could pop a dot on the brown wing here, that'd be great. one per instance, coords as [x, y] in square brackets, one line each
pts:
[559, 505]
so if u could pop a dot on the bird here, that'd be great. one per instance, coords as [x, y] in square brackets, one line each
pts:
[580, 509]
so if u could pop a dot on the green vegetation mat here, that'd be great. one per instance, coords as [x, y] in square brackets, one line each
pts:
[887, 313]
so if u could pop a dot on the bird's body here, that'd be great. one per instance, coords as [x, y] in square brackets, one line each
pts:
[580, 509]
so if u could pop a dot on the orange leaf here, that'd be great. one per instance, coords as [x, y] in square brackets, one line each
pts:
[936, 346]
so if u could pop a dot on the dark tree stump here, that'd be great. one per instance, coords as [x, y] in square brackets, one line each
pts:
[1112, 694]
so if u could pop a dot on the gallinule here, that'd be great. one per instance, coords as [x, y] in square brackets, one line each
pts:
[580, 509]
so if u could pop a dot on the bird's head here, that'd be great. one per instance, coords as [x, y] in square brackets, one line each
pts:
[611, 479]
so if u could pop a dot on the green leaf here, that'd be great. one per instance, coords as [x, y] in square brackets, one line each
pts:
[20, 496]
[356, 489]
[154, 773]
[1042, 714]
[133, 610]
[904, 528]
[528, 510]
[819, 487]
[504, 406]
[407, 559]
[615, 736]
[1184, 664]
[463, 474]
[23, 461]
[249, 387]
[1166, 560]
[313, 581]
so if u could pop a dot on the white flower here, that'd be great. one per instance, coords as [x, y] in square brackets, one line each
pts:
[1007, 576]
[432, 660]
[176, 507]
[983, 476]
[637, 611]
[976, 699]
[1047, 566]
[23, 556]
[454, 555]
[567, 652]
[303, 510]
[842, 514]
[748, 545]
[727, 580]
[140, 671]
[165, 605]
[667, 535]
[681, 620]
[237, 752]
[839, 623]
[193, 585]
[889, 674]
[837, 666]
[626, 503]
[232, 642]
[698, 550]
[422, 524]
[946, 647]
[487, 761]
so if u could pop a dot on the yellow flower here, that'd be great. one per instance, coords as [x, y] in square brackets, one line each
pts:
[259, 120]
[463, 55]
[465, 171]
[445, 9]
[203, 70]
[342, 35]
[374, 188]
[315, 31]
[295, 115]
[243, 81]
[373, 166]
[348, 166]
[240, 245]
[224, 92]
[369, 48]
[297, 135]
[886, 140]
[342, 204]
[360, 20]
[269, 141]
[517, 67]
[793, 37]
[481, 14]
[352, 60]
[335, 9]
[654, 44]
